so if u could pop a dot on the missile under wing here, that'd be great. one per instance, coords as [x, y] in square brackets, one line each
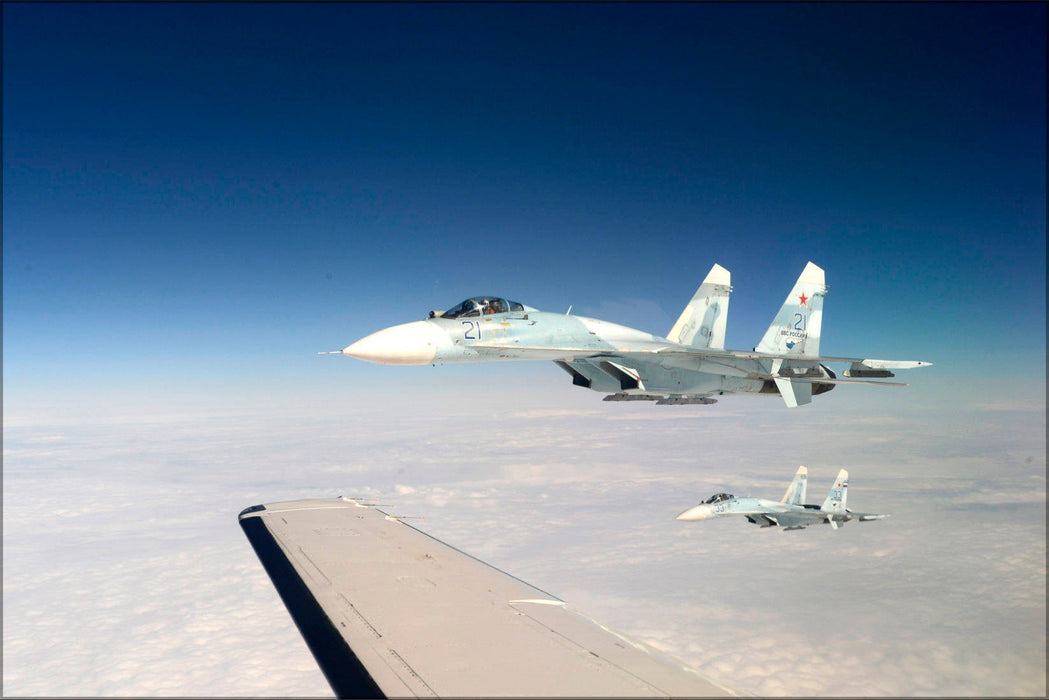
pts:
[389, 611]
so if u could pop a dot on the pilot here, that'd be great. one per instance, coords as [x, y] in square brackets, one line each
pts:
[488, 308]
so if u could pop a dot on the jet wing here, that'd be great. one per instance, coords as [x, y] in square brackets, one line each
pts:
[651, 348]
[388, 610]
[564, 352]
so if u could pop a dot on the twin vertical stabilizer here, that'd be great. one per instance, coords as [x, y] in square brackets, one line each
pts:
[796, 328]
[795, 495]
[702, 323]
[835, 502]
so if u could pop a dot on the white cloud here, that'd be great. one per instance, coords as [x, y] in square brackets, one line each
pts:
[1009, 404]
[125, 572]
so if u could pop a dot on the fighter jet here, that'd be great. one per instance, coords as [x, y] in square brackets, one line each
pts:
[790, 513]
[689, 366]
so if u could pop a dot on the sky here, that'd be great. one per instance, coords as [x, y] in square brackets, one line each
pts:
[199, 197]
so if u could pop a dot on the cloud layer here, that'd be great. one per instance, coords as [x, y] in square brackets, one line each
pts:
[125, 572]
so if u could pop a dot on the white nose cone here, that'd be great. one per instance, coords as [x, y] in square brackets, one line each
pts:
[407, 344]
[700, 512]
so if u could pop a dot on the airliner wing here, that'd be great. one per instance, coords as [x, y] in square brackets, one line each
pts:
[388, 610]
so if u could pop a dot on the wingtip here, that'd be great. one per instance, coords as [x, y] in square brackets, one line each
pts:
[250, 511]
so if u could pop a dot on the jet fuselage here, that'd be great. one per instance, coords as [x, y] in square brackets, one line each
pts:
[572, 342]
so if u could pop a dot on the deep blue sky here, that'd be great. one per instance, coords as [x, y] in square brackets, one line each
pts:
[207, 194]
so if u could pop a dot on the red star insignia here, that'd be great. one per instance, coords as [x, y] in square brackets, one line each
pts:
[803, 299]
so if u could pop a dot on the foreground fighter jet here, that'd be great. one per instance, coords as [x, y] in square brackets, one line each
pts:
[790, 513]
[688, 366]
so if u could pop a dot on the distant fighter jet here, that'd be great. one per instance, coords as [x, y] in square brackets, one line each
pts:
[790, 513]
[688, 366]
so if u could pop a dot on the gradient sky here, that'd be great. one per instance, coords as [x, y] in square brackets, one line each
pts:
[199, 197]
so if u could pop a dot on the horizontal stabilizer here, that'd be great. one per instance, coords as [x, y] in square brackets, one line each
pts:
[795, 393]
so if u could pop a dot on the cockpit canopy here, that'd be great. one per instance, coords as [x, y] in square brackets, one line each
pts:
[477, 306]
[719, 497]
